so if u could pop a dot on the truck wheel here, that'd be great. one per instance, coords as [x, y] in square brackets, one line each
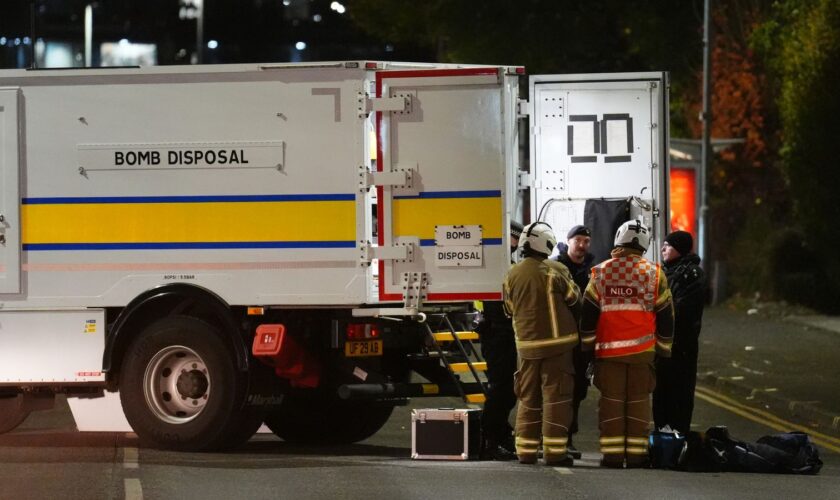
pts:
[322, 421]
[180, 388]
[12, 413]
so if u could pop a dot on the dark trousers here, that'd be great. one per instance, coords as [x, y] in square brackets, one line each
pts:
[498, 347]
[673, 399]
[581, 361]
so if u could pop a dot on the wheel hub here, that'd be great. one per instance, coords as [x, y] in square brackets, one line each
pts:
[176, 384]
[192, 384]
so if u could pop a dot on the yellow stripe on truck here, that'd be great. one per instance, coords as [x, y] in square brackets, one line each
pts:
[189, 222]
[419, 216]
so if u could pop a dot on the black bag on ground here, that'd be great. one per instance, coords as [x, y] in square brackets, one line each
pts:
[803, 455]
[785, 453]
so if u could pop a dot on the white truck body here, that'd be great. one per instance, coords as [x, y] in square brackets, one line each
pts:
[263, 186]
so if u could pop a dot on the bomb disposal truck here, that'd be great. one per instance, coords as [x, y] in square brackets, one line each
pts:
[229, 245]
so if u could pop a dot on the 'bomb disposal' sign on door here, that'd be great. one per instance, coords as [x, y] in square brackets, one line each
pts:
[458, 246]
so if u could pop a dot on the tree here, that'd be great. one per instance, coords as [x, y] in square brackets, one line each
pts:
[801, 44]
[747, 196]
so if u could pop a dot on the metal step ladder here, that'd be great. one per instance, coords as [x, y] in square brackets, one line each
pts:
[456, 350]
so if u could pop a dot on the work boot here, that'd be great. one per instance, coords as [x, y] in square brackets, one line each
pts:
[561, 461]
[494, 450]
[573, 452]
[613, 462]
[638, 463]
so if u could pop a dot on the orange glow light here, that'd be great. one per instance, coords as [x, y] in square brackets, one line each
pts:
[683, 200]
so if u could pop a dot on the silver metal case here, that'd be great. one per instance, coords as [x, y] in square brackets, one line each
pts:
[445, 434]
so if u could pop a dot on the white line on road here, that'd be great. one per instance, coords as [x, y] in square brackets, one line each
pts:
[130, 458]
[564, 470]
[133, 490]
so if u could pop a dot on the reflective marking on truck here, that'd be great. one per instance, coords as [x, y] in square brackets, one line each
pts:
[62, 200]
[203, 245]
[193, 266]
[418, 215]
[484, 241]
[183, 223]
[452, 194]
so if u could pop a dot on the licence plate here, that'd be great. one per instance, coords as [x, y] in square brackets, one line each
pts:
[358, 348]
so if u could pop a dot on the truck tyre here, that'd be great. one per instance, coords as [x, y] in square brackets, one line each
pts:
[326, 421]
[12, 413]
[180, 388]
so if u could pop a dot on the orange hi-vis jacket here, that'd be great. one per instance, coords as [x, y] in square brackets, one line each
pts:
[629, 290]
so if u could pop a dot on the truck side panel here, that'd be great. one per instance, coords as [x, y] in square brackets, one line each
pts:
[246, 186]
[9, 190]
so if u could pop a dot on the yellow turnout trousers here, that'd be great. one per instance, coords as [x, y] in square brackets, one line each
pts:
[544, 388]
[624, 412]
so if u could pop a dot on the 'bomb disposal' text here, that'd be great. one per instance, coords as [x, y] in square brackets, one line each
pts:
[188, 157]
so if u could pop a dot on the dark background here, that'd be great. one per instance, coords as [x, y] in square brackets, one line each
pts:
[773, 210]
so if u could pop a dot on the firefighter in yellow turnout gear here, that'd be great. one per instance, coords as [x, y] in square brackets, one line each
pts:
[543, 301]
[628, 310]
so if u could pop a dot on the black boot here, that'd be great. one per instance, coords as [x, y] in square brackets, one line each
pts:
[498, 450]
[572, 451]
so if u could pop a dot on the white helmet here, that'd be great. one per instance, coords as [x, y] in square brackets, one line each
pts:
[633, 234]
[538, 237]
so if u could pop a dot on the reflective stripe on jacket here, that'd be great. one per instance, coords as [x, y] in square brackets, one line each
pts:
[539, 295]
[627, 291]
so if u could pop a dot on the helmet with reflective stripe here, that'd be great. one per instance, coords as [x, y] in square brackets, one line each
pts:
[538, 237]
[633, 234]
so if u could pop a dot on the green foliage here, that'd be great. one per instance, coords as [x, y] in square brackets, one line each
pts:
[749, 254]
[798, 273]
[801, 43]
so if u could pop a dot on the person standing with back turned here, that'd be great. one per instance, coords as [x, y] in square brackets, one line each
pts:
[628, 307]
[542, 299]
[673, 399]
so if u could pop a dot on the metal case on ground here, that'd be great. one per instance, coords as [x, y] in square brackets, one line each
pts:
[445, 434]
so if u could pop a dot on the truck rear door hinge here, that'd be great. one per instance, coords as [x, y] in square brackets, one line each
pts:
[414, 290]
[524, 181]
[401, 104]
[400, 252]
[401, 178]
[522, 108]
[415, 286]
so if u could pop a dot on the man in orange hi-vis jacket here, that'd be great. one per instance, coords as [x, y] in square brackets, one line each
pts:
[628, 310]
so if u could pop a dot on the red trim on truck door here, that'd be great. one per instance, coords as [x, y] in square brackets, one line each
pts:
[380, 210]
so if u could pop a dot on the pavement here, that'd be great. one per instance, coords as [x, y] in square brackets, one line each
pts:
[786, 365]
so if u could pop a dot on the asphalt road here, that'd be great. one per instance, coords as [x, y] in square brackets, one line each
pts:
[47, 458]
[792, 360]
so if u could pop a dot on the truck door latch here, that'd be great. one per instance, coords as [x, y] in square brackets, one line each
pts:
[400, 104]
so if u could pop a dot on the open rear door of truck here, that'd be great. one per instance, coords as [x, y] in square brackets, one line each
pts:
[444, 134]
[599, 153]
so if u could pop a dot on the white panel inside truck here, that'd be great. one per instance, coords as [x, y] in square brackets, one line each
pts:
[603, 138]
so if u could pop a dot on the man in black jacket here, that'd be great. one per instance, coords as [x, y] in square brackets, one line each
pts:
[575, 255]
[498, 347]
[673, 398]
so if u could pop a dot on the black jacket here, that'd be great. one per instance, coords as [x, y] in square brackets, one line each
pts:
[580, 272]
[688, 288]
